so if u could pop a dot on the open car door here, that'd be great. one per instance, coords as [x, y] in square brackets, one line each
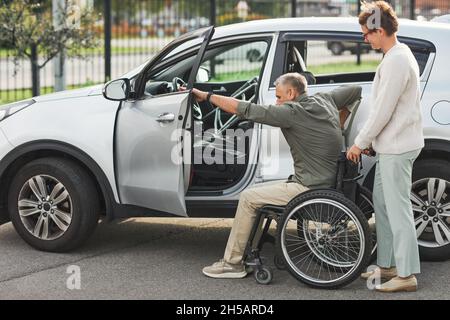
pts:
[151, 166]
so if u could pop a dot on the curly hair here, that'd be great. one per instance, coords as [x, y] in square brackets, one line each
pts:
[388, 18]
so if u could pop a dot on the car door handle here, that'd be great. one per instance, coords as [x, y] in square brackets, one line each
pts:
[166, 117]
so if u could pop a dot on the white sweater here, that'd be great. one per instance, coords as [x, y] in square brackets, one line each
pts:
[394, 125]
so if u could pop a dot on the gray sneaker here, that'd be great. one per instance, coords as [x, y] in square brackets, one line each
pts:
[224, 270]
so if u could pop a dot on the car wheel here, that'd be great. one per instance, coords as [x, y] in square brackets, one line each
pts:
[53, 204]
[336, 48]
[430, 197]
[253, 55]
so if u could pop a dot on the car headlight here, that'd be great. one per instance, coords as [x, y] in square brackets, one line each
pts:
[10, 109]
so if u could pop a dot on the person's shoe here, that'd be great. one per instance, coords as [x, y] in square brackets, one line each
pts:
[224, 270]
[384, 274]
[399, 285]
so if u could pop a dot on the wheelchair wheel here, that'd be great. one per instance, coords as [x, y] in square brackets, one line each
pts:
[263, 275]
[278, 261]
[324, 239]
[365, 204]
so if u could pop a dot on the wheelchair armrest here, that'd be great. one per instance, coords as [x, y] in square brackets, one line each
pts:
[354, 179]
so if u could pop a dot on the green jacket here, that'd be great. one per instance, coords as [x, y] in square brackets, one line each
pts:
[311, 127]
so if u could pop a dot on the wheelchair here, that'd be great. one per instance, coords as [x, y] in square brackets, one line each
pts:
[323, 237]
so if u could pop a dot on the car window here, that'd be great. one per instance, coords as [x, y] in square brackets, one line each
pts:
[172, 66]
[324, 59]
[336, 60]
[161, 81]
[341, 56]
[422, 55]
[235, 61]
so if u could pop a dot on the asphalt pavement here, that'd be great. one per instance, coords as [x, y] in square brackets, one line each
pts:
[156, 258]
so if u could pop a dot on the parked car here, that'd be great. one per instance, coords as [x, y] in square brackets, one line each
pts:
[442, 19]
[339, 47]
[67, 158]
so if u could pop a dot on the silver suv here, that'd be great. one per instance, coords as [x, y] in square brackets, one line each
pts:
[127, 150]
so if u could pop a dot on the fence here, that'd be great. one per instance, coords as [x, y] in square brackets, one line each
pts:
[132, 31]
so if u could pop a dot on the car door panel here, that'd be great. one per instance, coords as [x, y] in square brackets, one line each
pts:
[153, 146]
[146, 168]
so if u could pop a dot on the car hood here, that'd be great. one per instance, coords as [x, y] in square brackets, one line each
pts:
[70, 94]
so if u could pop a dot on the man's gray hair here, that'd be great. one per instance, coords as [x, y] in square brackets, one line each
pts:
[295, 80]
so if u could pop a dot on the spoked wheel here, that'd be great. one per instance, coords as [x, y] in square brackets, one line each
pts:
[430, 197]
[324, 239]
[53, 204]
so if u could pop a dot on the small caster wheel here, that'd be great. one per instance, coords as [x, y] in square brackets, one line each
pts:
[263, 275]
[279, 262]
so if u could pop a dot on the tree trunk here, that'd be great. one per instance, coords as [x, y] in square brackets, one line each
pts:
[35, 79]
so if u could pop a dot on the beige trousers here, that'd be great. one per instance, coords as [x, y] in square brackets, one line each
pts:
[277, 193]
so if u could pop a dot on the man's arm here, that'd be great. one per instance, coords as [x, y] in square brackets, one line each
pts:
[277, 116]
[344, 98]
[226, 104]
[393, 80]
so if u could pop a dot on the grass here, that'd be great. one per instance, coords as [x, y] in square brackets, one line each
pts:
[235, 76]
[329, 68]
[343, 67]
[9, 96]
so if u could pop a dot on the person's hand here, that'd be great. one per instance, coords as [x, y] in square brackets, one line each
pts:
[180, 89]
[369, 152]
[354, 154]
[199, 95]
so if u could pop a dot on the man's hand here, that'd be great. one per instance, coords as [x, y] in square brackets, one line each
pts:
[227, 104]
[369, 152]
[199, 95]
[354, 154]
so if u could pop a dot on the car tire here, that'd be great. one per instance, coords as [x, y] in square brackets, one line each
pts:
[67, 212]
[424, 171]
[336, 48]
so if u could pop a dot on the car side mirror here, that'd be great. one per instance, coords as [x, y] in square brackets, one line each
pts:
[203, 75]
[117, 90]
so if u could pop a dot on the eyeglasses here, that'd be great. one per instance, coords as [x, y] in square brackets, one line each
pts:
[365, 34]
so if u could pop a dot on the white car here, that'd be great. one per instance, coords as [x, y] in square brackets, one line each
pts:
[67, 158]
[442, 19]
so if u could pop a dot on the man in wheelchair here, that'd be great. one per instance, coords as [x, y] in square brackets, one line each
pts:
[312, 128]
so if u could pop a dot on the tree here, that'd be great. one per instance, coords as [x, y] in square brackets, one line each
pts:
[26, 26]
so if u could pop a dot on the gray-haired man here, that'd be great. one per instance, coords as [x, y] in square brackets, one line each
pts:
[312, 128]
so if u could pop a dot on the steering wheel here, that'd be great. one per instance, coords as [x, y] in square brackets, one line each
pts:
[177, 83]
[240, 93]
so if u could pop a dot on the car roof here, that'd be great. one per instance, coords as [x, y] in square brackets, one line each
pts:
[433, 31]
